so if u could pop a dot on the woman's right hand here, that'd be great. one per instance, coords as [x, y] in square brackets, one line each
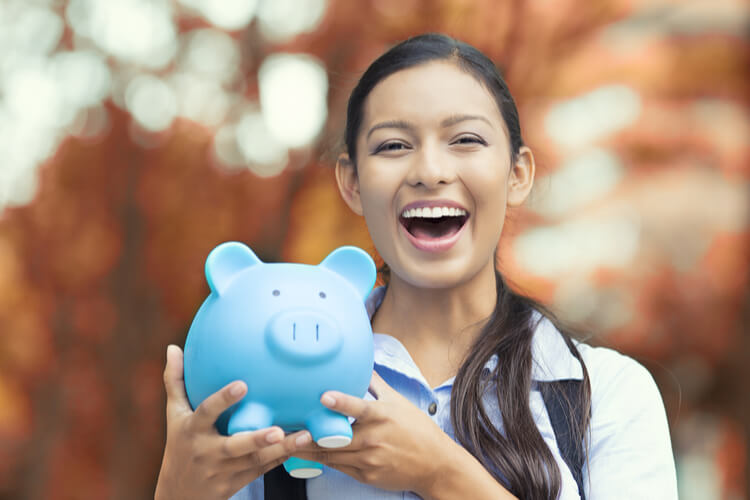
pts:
[201, 463]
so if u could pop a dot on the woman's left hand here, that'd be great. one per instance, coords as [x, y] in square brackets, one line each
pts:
[396, 446]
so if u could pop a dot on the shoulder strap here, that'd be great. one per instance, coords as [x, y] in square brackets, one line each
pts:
[556, 396]
[279, 485]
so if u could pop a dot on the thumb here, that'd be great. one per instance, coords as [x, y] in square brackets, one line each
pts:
[174, 382]
[379, 387]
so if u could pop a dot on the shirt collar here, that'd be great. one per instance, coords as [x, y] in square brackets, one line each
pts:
[551, 357]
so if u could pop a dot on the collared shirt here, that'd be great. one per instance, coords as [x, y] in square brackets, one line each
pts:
[629, 456]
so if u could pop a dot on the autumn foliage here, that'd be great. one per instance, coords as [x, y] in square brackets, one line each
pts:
[104, 267]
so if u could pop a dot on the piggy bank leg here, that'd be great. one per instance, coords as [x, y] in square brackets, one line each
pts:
[249, 416]
[303, 469]
[330, 429]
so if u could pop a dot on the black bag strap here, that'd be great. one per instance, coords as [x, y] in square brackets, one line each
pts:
[557, 396]
[279, 485]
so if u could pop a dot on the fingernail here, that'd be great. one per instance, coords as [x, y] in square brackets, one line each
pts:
[236, 389]
[303, 439]
[328, 400]
[274, 436]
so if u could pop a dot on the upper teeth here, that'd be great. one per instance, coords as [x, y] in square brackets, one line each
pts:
[433, 212]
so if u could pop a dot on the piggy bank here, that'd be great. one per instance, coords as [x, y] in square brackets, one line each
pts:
[290, 332]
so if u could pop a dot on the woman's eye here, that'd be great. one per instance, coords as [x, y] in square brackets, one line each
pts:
[470, 139]
[391, 146]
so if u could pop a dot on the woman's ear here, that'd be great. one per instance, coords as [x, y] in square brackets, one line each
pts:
[521, 177]
[348, 182]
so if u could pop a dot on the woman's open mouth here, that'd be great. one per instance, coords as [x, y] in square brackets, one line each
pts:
[433, 229]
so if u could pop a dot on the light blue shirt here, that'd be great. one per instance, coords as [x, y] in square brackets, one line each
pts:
[629, 456]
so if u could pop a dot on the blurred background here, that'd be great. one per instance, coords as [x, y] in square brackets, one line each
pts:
[135, 135]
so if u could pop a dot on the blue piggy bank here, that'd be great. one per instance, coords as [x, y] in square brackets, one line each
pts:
[290, 332]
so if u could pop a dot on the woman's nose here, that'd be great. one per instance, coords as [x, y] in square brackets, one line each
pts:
[431, 167]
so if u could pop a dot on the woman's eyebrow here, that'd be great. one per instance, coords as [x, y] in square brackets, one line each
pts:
[391, 124]
[448, 122]
[454, 119]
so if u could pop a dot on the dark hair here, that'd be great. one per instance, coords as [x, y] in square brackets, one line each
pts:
[519, 458]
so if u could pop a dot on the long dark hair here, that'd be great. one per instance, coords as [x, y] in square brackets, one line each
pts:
[518, 458]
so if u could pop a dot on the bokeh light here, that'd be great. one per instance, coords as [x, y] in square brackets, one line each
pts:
[83, 77]
[225, 14]
[606, 240]
[281, 20]
[579, 180]
[293, 92]
[141, 32]
[152, 102]
[28, 28]
[264, 153]
[121, 49]
[211, 54]
[202, 100]
[592, 116]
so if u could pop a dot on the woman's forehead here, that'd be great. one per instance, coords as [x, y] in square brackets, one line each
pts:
[430, 93]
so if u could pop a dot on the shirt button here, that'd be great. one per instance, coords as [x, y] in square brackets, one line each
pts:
[432, 408]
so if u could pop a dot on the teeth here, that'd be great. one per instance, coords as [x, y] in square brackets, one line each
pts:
[433, 212]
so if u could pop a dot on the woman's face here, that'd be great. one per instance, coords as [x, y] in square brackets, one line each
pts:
[433, 174]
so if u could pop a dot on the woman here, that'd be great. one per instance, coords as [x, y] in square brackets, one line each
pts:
[464, 365]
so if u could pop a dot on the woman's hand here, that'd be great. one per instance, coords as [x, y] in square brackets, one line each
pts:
[198, 461]
[396, 446]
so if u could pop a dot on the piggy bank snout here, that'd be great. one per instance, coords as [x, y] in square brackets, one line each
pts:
[305, 337]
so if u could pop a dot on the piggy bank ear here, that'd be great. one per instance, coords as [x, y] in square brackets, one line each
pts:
[354, 265]
[225, 261]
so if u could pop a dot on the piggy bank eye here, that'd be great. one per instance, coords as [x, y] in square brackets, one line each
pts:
[322, 295]
[276, 293]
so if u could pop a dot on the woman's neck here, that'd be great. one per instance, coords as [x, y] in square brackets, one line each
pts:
[437, 325]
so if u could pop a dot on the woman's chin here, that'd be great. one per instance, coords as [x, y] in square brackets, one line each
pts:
[433, 275]
[445, 268]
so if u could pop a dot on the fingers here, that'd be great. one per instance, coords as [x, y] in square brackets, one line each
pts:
[331, 457]
[282, 450]
[348, 405]
[262, 455]
[174, 383]
[250, 466]
[355, 407]
[243, 443]
[211, 407]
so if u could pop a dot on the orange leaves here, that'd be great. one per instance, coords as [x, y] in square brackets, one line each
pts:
[105, 267]
[86, 246]
[94, 318]
[188, 206]
[72, 468]
[15, 412]
[320, 221]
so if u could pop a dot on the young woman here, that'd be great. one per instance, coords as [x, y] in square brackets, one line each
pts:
[465, 368]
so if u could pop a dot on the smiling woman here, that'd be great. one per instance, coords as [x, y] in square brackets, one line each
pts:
[477, 393]
[434, 138]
